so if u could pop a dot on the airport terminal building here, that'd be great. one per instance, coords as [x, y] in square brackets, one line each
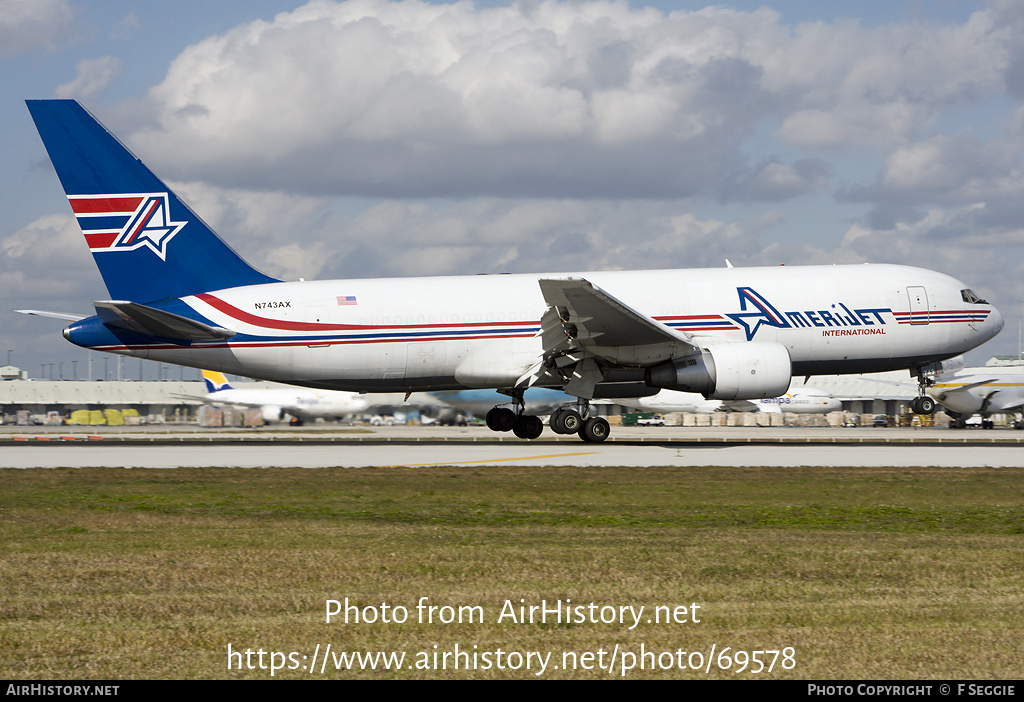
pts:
[53, 401]
[25, 401]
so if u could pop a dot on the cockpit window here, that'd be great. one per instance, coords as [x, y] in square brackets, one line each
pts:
[970, 297]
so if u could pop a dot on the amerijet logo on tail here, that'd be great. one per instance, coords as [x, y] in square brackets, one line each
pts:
[126, 222]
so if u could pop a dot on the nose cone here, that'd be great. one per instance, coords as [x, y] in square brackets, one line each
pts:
[995, 321]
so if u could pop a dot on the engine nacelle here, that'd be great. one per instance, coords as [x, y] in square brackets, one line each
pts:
[272, 413]
[740, 371]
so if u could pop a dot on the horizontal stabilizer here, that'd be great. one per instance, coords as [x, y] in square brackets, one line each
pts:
[53, 315]
[154, 322]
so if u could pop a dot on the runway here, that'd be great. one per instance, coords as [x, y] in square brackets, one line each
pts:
[426, 446]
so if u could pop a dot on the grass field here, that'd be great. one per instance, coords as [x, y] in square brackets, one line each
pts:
[855, 573]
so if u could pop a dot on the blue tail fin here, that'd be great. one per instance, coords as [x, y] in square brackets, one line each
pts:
[147, 244]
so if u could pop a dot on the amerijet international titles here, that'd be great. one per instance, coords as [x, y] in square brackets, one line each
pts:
[179, 294]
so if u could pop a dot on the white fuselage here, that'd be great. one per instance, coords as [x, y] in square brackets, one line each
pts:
[383, 335]
[298, 402]
[803, 401]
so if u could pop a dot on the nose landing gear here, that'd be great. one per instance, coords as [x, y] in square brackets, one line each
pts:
[922, 405]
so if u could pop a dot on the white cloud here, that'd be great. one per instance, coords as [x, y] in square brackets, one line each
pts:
[94, 76]
[549, 99]
[988, 258]
[410, 99]
[33, 24]
[949, 164]
[282, 235]
[47, 264]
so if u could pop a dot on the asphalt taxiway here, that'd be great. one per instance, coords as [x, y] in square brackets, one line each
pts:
[421, 446]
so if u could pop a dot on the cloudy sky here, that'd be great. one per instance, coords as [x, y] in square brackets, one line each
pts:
[396, 138]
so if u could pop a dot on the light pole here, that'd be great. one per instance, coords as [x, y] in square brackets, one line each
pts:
[1020, 335]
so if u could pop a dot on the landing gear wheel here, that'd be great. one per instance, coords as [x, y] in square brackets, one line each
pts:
[595, 430]
[501, 419]
[923, 405]
[565, 421]
[528, 426]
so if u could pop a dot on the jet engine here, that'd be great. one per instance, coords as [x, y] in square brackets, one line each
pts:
[738, 371]
[272, 413]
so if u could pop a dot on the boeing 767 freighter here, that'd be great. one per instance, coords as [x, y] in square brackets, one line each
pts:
[179, 294]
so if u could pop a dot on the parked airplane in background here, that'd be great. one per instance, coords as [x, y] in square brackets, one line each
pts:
[972, 391]
[964, 392]
[278, 404]
[180, 295]
[480, 402]
[804, 401]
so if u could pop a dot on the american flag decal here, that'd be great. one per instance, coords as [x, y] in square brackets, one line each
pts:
[347, 300]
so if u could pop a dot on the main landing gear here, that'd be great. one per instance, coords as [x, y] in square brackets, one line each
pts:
[565, 420]
[525, 426]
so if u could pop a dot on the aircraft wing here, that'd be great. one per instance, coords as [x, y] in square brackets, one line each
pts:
[971, 386]
[154, 322]
[995, 400]
[585, 325]
[894, 383]
[596, 318]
